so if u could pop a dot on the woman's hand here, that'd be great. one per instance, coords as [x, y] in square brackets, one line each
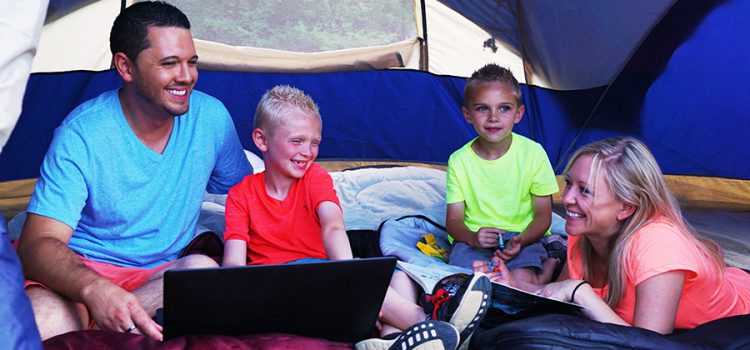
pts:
[564, 290]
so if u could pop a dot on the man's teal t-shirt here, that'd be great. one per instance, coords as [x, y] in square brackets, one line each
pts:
[128, 205]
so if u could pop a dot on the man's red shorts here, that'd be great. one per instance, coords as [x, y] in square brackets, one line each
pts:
[129, 278]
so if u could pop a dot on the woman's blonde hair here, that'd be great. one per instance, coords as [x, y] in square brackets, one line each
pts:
[633, 176]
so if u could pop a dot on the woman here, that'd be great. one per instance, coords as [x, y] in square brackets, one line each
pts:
[632, 258]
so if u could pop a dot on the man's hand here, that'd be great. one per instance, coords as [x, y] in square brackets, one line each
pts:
[487, 237]
[512, 248]
[113, 308]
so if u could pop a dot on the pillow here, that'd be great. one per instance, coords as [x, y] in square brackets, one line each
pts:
[255, 161]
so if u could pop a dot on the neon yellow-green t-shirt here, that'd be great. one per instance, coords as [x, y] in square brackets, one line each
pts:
[497, 193]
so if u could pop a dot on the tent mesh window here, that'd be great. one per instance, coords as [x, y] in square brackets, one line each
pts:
[301, 26]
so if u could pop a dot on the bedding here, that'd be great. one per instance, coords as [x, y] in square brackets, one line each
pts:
[368, 197]
[555, 331]
[371, 195]
[374, 196]
[115, 340]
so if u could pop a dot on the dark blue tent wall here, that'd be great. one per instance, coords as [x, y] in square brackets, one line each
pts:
[683, 93]
[378, 115]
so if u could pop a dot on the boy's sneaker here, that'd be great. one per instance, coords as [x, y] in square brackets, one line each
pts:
[461, 300]
[427, 335]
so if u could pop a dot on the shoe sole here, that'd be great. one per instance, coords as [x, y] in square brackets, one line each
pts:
[473, 306]
[428, 335]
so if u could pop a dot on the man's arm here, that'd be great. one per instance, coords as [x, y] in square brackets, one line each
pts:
[46, 258]
[335, 240]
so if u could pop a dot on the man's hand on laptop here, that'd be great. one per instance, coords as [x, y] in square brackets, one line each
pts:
[113, 308]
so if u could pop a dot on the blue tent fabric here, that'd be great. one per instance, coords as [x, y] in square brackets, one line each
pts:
[376, 115]
[402, 115]
[18, 328]
[683, 92]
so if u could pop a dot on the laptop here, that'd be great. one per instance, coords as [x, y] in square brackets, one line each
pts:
[334, 300]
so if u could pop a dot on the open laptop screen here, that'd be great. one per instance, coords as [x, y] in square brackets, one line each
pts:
[334, 300]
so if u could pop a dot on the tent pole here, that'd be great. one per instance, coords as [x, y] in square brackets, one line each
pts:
[423, 52]
[531, 107]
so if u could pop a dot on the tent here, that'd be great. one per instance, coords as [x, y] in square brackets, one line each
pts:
[669, 72]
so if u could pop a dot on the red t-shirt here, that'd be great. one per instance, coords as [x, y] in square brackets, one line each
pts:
[660, 247]
[279, 231]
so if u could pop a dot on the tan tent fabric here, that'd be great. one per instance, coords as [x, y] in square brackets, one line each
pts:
[230, 58]
[14, 196]
[700, 192]
[691, 191]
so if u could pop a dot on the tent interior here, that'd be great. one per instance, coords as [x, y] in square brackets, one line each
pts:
[670, 73]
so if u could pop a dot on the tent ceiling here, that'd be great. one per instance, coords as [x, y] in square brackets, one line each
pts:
[567, 45]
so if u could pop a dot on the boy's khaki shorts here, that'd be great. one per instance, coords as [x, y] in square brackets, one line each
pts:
[531, 255]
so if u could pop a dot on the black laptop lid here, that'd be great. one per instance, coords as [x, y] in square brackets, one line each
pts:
[334, 300]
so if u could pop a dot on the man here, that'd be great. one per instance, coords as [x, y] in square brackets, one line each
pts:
[122, 183]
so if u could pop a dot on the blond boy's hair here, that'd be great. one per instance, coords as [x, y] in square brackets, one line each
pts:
[275, 102]
[488, 74]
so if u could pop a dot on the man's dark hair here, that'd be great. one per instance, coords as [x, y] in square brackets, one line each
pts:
[130, 29]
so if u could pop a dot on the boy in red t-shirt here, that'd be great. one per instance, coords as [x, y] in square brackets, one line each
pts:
[290, 214]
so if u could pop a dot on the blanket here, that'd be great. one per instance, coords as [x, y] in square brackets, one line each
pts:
[114, 340]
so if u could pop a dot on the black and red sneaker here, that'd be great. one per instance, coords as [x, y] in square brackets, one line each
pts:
[461, 300]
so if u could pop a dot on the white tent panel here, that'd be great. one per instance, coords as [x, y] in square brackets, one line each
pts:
[79, 40]
[613, 31]
[20, 23]
[456, 45]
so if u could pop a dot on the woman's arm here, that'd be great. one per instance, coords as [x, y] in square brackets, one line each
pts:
[595, 308]
[656, 301]
[335, 240]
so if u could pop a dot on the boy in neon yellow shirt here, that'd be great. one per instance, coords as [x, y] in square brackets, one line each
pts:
[500, 184]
